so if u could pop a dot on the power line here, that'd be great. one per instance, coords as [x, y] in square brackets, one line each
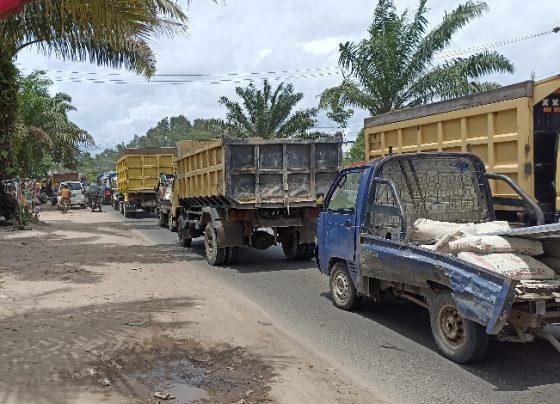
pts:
[196, 75]
[240, 77]
[498, 44]
[193, 81]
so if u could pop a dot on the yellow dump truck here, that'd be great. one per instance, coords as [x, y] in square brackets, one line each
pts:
[513, 129]
[138, 175]
[253, 192]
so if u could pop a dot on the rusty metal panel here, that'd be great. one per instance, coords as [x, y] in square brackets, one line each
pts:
[280, 171]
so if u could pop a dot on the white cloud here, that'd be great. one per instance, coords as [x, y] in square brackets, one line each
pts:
[269, 35]
[322, 47]
[262, 55]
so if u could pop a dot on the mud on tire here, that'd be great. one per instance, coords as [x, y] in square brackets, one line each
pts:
[215, 255]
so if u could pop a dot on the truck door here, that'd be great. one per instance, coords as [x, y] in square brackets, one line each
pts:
[339, 217]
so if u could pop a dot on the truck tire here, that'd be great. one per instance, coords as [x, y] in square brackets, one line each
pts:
[183, 240]
[121, 208]
[214, 255]
[342, 288]
[162, 222]
[459, 339]
[232, 255]
[170, 223]
[126, 212]
[292, 249]
[309, 251]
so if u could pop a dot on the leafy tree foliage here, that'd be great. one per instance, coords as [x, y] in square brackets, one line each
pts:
[115, 33]
[396, 66]
[358, 150]
[267, 113]
[44, 136]
[167, 132]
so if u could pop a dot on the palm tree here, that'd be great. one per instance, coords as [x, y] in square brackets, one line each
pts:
[267, 113]
[43, 130]
[396, 66]
[114, 33]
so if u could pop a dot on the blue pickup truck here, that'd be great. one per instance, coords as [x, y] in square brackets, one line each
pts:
[367, 244]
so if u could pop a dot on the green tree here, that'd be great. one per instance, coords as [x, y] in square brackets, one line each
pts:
[267, 113]
[114, 33]
[358, 150]
[396, 66]
[44, 133]
[167, 132]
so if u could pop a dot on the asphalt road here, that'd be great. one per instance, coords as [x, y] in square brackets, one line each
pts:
[387, 348]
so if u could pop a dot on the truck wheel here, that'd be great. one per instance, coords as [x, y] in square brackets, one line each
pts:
[126, 211]
[161, 219]
[214, 254]
[170, 223]
[457, 338]
[292, 250]
[342, 288]
[232, 255]
[121, 208]
[184, 241]
[309, 251]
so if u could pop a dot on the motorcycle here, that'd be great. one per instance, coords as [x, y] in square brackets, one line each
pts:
[64, 205]
[96, 201]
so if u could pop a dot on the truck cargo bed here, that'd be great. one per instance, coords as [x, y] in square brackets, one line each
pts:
[256, 172]
[138, 169]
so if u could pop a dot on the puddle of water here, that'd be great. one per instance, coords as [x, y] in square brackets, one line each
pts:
[185, 393]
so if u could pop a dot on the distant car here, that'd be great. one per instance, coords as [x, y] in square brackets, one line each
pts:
[78, 198]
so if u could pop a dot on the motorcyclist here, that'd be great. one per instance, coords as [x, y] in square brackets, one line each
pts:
[93, 193]
[65, 193]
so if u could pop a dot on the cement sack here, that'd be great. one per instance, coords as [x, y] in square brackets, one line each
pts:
[427, 229]
[495, 244]
[442, 245]
[514, 266]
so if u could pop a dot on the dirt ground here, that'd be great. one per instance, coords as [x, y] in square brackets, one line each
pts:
[92, 312]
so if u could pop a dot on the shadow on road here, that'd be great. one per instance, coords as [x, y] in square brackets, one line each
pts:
[252, 260]
[43, 349]
[43, 254]
[507, 366]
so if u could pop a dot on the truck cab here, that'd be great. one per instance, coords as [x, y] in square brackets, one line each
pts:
[368, 244]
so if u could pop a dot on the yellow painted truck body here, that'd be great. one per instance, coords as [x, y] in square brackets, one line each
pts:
[138, 173]
[514, 130]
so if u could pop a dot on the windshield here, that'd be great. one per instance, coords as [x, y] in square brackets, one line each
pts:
[74, 186]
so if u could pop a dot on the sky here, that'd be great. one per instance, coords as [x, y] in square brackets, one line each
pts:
[300, 37]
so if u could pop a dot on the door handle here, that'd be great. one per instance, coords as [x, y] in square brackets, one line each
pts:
[348, 224]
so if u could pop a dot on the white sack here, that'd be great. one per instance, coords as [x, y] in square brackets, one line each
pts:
[427, 229]
[515, 266]
[495, 244]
